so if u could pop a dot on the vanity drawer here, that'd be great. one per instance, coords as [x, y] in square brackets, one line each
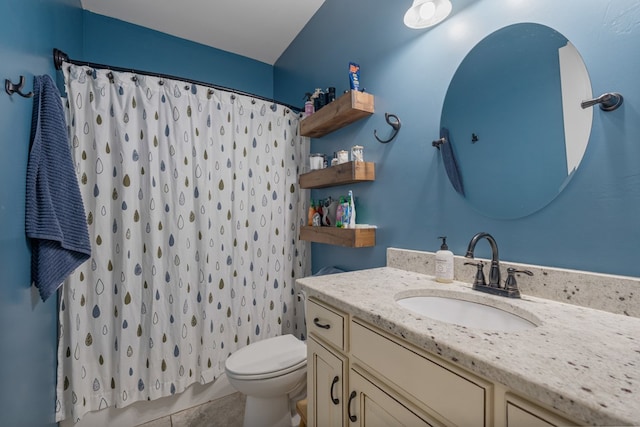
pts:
[326, 323]
[458, 397]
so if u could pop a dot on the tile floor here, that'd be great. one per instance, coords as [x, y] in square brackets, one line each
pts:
[224, 412]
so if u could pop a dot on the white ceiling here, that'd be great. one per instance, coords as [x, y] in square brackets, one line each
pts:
[257, 29]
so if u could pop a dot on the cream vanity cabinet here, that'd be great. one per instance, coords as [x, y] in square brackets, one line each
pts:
[371, 403]
[327, 365]
[437, 394]
[359, 375]
[326, 372]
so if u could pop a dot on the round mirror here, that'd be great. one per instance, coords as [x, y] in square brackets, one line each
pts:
[514, 122]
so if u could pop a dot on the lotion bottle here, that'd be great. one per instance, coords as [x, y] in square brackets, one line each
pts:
[444, 263]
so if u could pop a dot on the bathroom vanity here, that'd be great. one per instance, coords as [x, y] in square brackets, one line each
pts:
[374, 362]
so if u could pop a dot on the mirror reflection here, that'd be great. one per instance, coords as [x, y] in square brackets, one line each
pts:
[513, 115]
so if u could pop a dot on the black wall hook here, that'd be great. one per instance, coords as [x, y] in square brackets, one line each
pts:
[394, 122]
[12, 88]
[438, 142]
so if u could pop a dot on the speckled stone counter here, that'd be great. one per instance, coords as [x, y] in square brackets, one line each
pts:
[617, 294]
[582, 361]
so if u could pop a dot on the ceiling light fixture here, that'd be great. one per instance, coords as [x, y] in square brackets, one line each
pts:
[427, 13]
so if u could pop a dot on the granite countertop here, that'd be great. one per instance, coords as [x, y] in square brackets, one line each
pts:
[581, 361]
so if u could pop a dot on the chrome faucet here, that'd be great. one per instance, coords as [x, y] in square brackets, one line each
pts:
[510, 288]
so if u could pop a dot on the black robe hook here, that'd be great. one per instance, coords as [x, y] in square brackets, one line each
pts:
[395, 124]
[12, 88]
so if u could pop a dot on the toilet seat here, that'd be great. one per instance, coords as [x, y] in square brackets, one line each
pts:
[269, 358]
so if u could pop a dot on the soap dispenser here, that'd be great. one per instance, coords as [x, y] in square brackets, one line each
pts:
[444, 263]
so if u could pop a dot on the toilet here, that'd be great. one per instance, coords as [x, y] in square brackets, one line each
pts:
[268, 372]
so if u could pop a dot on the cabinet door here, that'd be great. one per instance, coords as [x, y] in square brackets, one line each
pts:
[521, 413]
[326, 373]
[371, 405]
[451, 394]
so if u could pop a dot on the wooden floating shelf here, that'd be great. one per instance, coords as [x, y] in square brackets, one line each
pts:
[345, 110]
[348, 108]
[350, 237]
[345, 173]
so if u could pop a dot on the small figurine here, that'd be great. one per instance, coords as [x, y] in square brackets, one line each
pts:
[326, 217]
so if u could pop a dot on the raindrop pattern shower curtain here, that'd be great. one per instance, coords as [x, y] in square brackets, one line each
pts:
[194, 212]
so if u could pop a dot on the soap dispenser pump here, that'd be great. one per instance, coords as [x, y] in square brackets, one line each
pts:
[444, 263]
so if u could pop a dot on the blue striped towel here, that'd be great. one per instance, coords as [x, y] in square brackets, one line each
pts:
[55, 220]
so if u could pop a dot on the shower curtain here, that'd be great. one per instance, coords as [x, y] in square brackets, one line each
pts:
[194, 211]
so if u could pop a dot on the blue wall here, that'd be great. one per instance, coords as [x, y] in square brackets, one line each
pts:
[29, 32]
[31, 29]
[592, 225]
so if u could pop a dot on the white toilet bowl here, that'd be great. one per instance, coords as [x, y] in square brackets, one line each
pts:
[267, 372]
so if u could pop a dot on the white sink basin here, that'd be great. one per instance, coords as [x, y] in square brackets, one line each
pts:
[465, 313]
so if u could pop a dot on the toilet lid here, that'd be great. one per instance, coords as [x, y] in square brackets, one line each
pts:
[278, 354]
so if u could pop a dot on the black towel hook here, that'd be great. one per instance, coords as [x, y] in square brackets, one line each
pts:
[438, 142]
[395, 124]
[12, 88]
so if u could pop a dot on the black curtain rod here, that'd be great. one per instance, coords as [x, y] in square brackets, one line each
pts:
[59, 57]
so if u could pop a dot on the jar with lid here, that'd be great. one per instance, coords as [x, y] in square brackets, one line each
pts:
[343, 156]
[357, 153]
[316, 161]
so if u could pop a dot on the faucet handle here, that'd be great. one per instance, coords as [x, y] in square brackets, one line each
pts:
[479, 279]
[511, 282]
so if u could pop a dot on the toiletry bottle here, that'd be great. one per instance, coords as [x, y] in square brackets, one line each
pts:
[330, 95]
[340, 212]
[334, 160]
[318, 99]
[312, 210]
[346, 212]
[308, 105]
[352, 211]
[444, 263]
